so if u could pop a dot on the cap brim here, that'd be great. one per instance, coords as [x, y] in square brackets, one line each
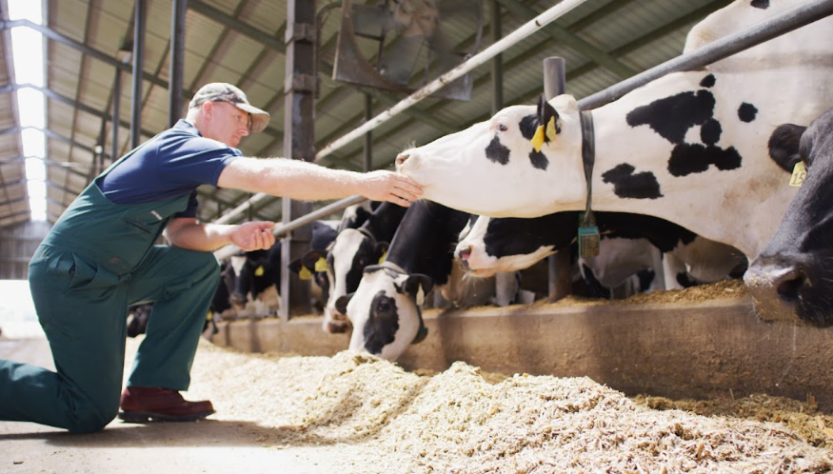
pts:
[260, 118]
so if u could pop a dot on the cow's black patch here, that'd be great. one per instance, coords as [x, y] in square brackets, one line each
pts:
[497, 152]
[538, 160]
[695, 158]
[626, 184]
[710, 132]
[783, 145]
[747, 112]
[708, 81]
[646, 277]
[382, 324]
[671, 117]
[684, 280]
[762, 4]
[528, 125]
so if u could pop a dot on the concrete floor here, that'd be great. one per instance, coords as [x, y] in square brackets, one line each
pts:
[209, 446]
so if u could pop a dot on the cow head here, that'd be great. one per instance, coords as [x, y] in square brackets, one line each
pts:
[385, 311]
[312, 266]
[351, 252]
[791, 278]
[510, 244]
[481, 170]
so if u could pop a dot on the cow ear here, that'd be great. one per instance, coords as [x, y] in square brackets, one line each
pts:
[382, 251]
[549, 124]
[417, 285]
[296, 265]
[341, 303]
[361, 217]
[784, 145]
[311, 257]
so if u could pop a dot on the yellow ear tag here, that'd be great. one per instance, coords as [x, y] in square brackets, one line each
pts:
[321, 265]
[551, 132]
[209, 316]
[799, 175]
[259, 271]
[305, 274]
[383, 257]
[538, 138]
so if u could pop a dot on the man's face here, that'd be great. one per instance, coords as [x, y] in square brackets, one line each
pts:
[228, 124]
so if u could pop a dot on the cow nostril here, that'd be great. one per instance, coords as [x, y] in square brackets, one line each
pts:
[788, 289]
[464, 254]
[401, 159]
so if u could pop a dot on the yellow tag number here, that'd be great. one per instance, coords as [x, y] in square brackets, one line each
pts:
[259, 271]
[305, 274]
[321, 265]
[799, 175]
[538, 138]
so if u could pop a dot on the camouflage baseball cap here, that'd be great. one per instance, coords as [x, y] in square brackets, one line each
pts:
[222, 92]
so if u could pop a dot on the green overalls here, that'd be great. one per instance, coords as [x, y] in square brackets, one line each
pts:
[97, 260]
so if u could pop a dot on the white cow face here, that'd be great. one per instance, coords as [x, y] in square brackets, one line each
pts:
[484, 253]
[492, 167]
[384, 312]
[350, 253]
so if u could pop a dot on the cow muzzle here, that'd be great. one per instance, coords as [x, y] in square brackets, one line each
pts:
[775, 289]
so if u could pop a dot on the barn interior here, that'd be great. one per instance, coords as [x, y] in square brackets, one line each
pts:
[83, 107]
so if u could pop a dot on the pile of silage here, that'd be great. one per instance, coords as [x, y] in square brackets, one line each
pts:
[379, 418]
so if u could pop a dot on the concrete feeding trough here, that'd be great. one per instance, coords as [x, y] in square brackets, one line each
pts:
[668, 345]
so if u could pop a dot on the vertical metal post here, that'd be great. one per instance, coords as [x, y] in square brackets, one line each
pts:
[368, 137]
[138, 62]
[177, 61]
[560, 277]
[114, 140]
[497, 61]
[298, 143]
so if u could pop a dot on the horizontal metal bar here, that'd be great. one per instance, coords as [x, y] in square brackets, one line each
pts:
[325, 211]
[784, 22]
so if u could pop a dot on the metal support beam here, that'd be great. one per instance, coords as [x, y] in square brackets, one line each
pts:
[497, 61]
[368, 137]
[138, 65]
[299, 144]
[177, 61]
[116, 117]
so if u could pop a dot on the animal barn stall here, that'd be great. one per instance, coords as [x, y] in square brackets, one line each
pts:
[450, 403]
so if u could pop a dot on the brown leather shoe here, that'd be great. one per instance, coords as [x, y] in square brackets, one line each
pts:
[143, 404]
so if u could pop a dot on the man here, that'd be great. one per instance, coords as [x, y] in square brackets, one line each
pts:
[99, 258]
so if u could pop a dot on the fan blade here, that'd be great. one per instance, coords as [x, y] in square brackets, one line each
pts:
[400, 59]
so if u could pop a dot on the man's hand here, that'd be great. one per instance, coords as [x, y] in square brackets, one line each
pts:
[384, 185]
[254, 236]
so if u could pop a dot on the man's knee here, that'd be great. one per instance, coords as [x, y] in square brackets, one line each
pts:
[90, 420]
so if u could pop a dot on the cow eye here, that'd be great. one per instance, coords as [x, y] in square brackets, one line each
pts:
[502, 127]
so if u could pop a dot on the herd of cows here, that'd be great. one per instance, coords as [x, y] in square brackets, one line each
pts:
[694, 179]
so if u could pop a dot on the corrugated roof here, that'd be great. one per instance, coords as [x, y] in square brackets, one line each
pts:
[242, 42]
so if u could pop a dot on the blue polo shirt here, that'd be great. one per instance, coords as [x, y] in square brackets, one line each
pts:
[171, 164]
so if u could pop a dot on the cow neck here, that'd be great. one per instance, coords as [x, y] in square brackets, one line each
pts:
[392, 266]
[588, 157]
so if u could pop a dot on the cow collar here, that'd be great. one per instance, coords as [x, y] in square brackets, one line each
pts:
[588, 155]
[422, 332]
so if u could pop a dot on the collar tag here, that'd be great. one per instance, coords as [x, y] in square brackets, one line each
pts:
[588, 241]
[799, 175]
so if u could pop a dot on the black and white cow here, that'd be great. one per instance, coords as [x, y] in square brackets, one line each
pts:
[351, 251]
[262, 268]
[630, 243]
[690, 147]
[792, 279]
[385, 310]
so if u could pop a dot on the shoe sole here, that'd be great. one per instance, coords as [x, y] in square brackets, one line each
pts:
[146, 417]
